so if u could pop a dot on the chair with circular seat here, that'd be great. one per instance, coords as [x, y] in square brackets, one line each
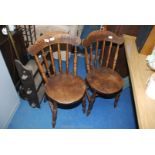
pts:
[101, 52]
[61, 87]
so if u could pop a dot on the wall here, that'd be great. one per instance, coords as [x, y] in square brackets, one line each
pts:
[9, 99]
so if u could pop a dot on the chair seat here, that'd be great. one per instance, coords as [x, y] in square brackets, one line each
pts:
[104, 80]
[65, 88]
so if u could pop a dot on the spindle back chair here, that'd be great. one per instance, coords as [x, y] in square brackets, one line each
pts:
[101, 53]
[61, 87]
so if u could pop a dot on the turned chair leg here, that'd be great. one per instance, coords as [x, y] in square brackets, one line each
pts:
[54, 114]
[116, 100]
[53, 106]
[91, 100]
[84, 104]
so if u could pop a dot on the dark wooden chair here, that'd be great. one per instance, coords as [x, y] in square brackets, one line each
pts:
[61, 86]
[101, 52]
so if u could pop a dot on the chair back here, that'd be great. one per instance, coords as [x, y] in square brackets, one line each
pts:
[101, 49]
[46, 45]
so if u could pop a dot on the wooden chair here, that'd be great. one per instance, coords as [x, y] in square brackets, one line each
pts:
[61, 86]
[100, 64]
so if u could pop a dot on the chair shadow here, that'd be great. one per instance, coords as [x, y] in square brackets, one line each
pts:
[69, 106]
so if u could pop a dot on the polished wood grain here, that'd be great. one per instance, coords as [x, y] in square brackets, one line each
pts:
[40, 68]
[61, 87]
[102, 52]
[115, 58]
[109, 52]
[90, 56]
[52, 59]
[67, 58]
[139, 75]
[53, 38]
[104, 80]
[87, 61]
[75, 61]
[101, 76]
[46, 62]
[59, 58]
[100, 36]
[65, 88]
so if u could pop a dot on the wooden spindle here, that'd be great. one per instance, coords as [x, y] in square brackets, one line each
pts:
[40, 68]
[75, 60]
[96, 54]
[102, 53]
[59, 57]
[52, 59]
[46, 62]
[115, 58]
[109, 52]
[67, 58]
[91, 56]
[86, 60]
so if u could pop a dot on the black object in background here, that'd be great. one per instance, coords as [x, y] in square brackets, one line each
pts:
[143, 35]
